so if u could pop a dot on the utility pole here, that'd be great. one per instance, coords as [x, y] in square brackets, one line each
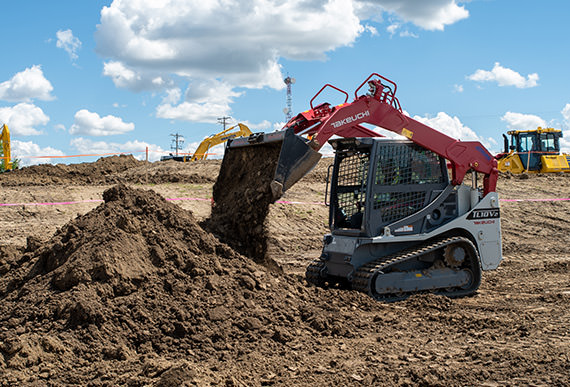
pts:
[177, 142]
[224, 120]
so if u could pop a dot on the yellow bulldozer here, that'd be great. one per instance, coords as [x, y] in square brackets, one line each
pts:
[533, 151]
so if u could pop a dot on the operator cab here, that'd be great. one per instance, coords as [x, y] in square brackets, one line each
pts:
[377, 182]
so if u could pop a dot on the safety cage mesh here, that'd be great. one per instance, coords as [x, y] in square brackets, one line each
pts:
[351, 188]
[401, 165]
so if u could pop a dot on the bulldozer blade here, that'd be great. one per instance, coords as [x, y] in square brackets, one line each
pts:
[296, 157]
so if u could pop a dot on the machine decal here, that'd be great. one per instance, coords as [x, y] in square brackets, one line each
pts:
[484, 213]
[407, 228]
[348, 120]
[407, 133]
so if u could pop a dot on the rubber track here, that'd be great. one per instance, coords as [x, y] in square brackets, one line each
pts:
[366, 274]
[313, 273]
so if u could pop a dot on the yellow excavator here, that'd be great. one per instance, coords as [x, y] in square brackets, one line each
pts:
[219, 138]
[5, 140]
[239, 130]
[533, 151]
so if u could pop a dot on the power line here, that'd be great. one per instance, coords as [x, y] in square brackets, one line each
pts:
[224, 120]
[177, 142]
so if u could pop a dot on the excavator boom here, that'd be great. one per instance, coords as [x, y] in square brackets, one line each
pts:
[219, 138]
[5, 139]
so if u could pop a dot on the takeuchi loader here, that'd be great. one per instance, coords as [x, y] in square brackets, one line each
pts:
[398, 223]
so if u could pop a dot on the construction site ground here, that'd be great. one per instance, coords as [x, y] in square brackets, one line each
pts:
[133, 291]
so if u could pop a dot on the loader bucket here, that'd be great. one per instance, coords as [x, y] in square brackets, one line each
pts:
[295, 159]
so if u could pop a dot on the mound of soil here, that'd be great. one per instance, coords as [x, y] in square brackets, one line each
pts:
[202, 172]
[113, 170]
[135, 285]
[103, 171]
[242, 196]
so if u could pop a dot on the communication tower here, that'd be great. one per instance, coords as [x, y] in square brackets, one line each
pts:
[288, 110]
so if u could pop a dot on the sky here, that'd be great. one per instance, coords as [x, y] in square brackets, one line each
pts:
[101, 77]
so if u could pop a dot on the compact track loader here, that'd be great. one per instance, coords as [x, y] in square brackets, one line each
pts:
[399, 224]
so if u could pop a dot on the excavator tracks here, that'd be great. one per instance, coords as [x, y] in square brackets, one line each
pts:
[316, 273]
[464, 278]
[368, 277]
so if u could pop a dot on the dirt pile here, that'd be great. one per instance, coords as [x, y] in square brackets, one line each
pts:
[242, 195]
[202, 172]
[113, 170]
[136, 285]
[103, 171]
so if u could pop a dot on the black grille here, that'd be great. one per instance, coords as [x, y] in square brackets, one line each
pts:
[404, 175]
[353, 169]
[397, 205]
[407, 164]
[351, 189]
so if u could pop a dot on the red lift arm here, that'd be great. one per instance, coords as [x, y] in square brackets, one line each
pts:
[381, 108]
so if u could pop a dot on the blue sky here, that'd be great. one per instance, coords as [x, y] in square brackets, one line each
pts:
[83, 77]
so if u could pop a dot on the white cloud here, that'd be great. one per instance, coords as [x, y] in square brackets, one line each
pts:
[68, 42]
[520, 121]
[27, 85]
[234, 41]
[27, 152]
[371, 30]
[91, 124]
[205, 101]
[262, 126]
[408, 34]
[23, 119]
[392, 28]
[159, 46]
[566, 114]
[453, 127]
[136, 148]
[238, 41]
[458, 88]
[127, 78]
[565, 141]
[430, 15]
[505, 77]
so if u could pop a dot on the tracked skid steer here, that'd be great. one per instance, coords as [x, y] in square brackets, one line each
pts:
[399, 223]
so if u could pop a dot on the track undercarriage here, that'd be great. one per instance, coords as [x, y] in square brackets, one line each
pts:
[448, 266]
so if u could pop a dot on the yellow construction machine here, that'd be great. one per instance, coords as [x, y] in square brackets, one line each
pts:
[209, 142]
[5, 140]
[219, 138]
[533, 151]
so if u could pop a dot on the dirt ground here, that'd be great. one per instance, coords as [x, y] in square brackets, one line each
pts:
[103, 282]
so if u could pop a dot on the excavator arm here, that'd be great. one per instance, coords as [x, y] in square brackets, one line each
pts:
[202, 150]
[381, 108]
[5, 139]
